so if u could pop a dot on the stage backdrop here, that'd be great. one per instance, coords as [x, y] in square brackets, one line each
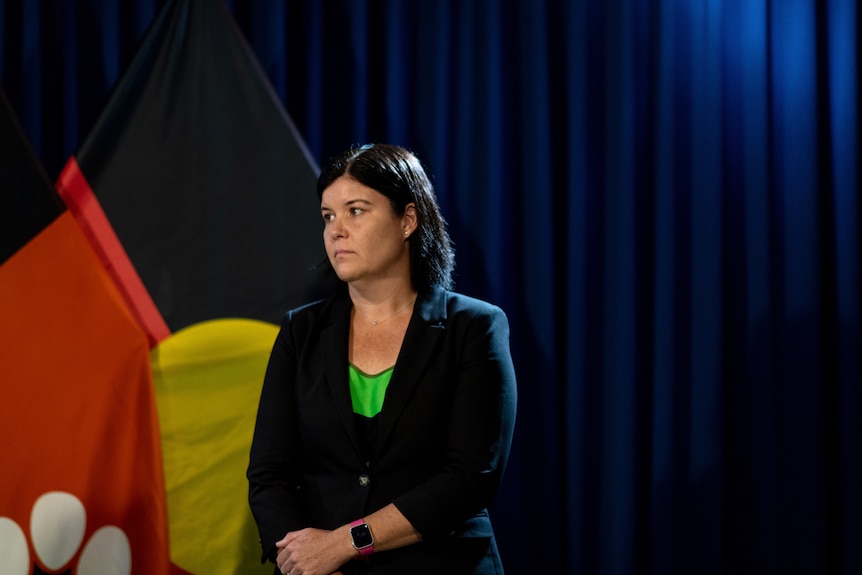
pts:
[663, 195]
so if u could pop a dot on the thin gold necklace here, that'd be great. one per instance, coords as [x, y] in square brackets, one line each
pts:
[379, 321]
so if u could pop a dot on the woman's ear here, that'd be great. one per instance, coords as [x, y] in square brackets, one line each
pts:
[409, 220]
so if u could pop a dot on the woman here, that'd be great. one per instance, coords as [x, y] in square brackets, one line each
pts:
[387, 411]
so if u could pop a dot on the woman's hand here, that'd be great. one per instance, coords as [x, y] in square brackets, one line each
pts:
[320, 552]
[313, 552]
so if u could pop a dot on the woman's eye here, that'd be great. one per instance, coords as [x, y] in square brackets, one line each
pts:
[327, 217]
[356, 211]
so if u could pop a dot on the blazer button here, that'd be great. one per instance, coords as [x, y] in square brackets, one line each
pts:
[364, 480]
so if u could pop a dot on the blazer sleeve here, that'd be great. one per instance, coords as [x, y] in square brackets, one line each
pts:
[276, 491]
[478, 430]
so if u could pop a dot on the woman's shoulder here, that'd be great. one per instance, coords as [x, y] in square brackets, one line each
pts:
[310, 308]
[456, 303]
[314, 312]
[466, 315]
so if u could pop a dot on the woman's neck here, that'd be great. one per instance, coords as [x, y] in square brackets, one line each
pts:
[381, 303]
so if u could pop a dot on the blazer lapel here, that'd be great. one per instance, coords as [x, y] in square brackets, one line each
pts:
[426, 329]
[334, 340]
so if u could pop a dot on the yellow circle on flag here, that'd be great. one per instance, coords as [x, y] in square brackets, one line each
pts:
[207, 381]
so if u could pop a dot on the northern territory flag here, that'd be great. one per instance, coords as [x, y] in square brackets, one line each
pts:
[81, 479]
[200, 196]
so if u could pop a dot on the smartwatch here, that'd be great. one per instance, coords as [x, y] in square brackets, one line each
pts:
[360, 534]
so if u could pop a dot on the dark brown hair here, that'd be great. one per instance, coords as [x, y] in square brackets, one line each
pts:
[399, 175]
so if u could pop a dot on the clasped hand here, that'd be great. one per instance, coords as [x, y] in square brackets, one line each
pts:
[308, 552]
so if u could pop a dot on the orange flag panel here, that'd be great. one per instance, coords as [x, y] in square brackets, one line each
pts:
[77, 414]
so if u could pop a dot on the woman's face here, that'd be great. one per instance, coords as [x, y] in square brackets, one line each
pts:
[365, 239]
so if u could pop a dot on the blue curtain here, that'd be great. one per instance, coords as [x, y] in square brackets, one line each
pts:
[664, 197]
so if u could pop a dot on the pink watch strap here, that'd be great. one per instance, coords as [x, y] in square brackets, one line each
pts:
[364, 552]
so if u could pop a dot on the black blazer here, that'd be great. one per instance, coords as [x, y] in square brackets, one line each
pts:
[443, 434]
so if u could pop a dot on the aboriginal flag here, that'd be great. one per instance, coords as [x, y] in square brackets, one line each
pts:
[81, 486]
[199, 196]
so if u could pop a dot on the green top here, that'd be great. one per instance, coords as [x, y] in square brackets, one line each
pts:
[368, 391]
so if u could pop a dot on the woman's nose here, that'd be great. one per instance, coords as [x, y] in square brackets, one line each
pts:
[336, 230]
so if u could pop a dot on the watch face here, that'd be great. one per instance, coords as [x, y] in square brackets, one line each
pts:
[361, 535]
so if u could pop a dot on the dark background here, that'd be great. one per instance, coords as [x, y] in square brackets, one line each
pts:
[662, 195]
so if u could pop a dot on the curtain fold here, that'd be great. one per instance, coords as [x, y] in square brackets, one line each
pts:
[663, 196]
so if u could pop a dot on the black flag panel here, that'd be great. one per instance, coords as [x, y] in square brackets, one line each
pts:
[203, 176]
[23, 214]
